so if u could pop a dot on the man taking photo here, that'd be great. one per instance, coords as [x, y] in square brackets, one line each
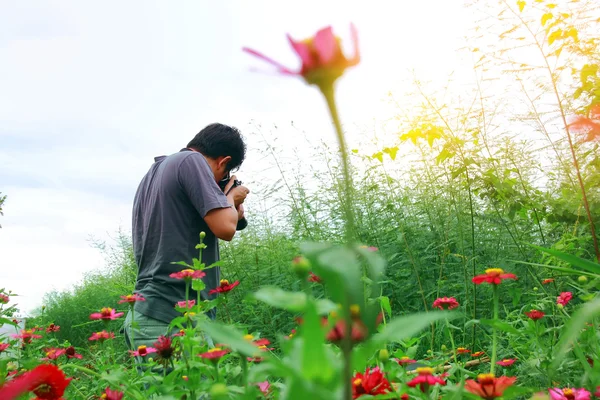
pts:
[178, 198]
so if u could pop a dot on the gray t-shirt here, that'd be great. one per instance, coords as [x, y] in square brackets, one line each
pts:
[168, 216]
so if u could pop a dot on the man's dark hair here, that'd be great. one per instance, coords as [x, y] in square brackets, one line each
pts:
[220, 140]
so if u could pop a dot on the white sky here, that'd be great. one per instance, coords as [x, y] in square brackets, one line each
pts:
[90, 92]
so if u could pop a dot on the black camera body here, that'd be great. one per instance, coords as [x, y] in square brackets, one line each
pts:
[224, 182]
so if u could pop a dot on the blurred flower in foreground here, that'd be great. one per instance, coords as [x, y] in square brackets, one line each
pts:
[372, 382]
[322, 58]
[569, 394]
[111, 395]
[46, 381]
[488, 386]
[590, 126]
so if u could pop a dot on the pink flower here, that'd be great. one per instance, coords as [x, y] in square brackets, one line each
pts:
[188, 274]
[405, 360]
[186, 304]
[4, 346]
[493, 276]
[142, 351]
[131, 298]
[445, 303]
[224, 287]
[588, 126]
[425, 379]
[102, 336]
[106, 314]
[569, 394]
[112, 395]
[53, 353]
[70, 352]
[52, 328]
[26, 335]
[264, 387]
[507, 362]
[321, 56]
[4, 298]
[214, 354]
[564, 298]
[369, 248]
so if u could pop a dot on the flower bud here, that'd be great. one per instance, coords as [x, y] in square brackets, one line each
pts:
[219, 391]
[384, 355]
[582, 279]
[301, 267]
[535, 289]
[560, 306]
[429, 351]
[444, 348]
[202, 235]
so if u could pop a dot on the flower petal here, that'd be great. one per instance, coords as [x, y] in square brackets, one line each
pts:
[354, 36]
[282, 69]
[326, 45]
[303, 51]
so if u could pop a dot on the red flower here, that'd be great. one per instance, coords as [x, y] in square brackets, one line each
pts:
[372, 382]
[102, 336]
[370, 248]
[445, 303]
[489, 387]
[106, 314]
[53, 353]
[224, 287]
[535, 314]
[180, 333]
[142, 351]
[111, 395]
[164, 347]
[493, 276]
[404, 361]
[70, 352]
[214, 354]
[338, 332]
[322, 58]
[314, 278]
[507, 362]
[4, 346]
[547, 281]
[131, 299]
[52, 328]
[462, 350]
[4, 298]
[425, 379]
[564, 298]
[588, 126]
[478, 354]
[186, 304]
[188, 274]
[26, 335]
[46, 381]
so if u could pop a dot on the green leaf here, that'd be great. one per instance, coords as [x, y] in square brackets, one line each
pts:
[573, 329]
[444, 155]
[315, 363]
[198, 285]
[501, 325]
[584, 264]
[230, 336]
[385, 304]
[290, 301]
[546, 17]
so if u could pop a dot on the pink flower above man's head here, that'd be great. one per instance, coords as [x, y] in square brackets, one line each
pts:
[188, 274]
[102, 336]
[214, 354]
[569, 394]
[547, 281]
[106, 314]
[224, 287]
[564, 298]
[589, 126]
[322, 58]
[445, 303]
[493, 276]
[131, 298]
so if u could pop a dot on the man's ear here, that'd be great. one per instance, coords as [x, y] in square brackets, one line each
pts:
[223, 161]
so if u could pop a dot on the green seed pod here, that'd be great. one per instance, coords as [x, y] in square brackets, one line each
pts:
[582, 279]
[301, 267]
[384, 355]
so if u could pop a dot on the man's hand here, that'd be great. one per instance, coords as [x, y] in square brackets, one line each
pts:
[237, 195]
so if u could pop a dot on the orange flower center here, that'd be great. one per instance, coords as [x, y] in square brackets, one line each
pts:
[425, 371]
[357, 382]
[215, 349]
[568, 393]
[262, 347]
[494, 271]
[486, 379]
[104, 396]
[224, 282]
[405, 358]
[106, 311]
[355, 310]
[248, 337]
[188, 271]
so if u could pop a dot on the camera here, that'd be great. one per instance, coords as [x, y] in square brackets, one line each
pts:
[224, 182]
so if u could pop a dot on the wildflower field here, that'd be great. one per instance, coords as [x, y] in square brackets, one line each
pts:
[459, 262]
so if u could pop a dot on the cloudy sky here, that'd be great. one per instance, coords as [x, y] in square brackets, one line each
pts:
[92, 91]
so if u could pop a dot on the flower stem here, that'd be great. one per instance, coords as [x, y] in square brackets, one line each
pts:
[132, 328]
[451, 339]
[494, 331]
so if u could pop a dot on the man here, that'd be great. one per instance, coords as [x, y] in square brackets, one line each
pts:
[176, 200]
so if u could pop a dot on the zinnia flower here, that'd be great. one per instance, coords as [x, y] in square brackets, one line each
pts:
[4, 346]
[507, 362]
[53, 353]
[164, 347]
[4, 298]
[590, 126]
[142, 351]
[106, 314]
[462, 350]
[214, 354]
[372, 382]
[264, 387]
[370, 248]
[70, 352]
[569, 394]
[52, 328]
[26, 335]
[564, 298]
[489, 387]
[131, 299]
[322, 58]
[188, 274]
[102, 336]
[425, 379]
[535, 314]
[404, 360]
[493, 276]
[224, 287]
[186, 304]
[478, 354]
[547, 281]
[445, 303]
[314, 278]
[46, 381]
[111, 395]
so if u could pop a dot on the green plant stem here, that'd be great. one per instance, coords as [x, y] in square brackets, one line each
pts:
[451, 339]
[350, 230]
[132, 327]
[494, 331]
[244, 370]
